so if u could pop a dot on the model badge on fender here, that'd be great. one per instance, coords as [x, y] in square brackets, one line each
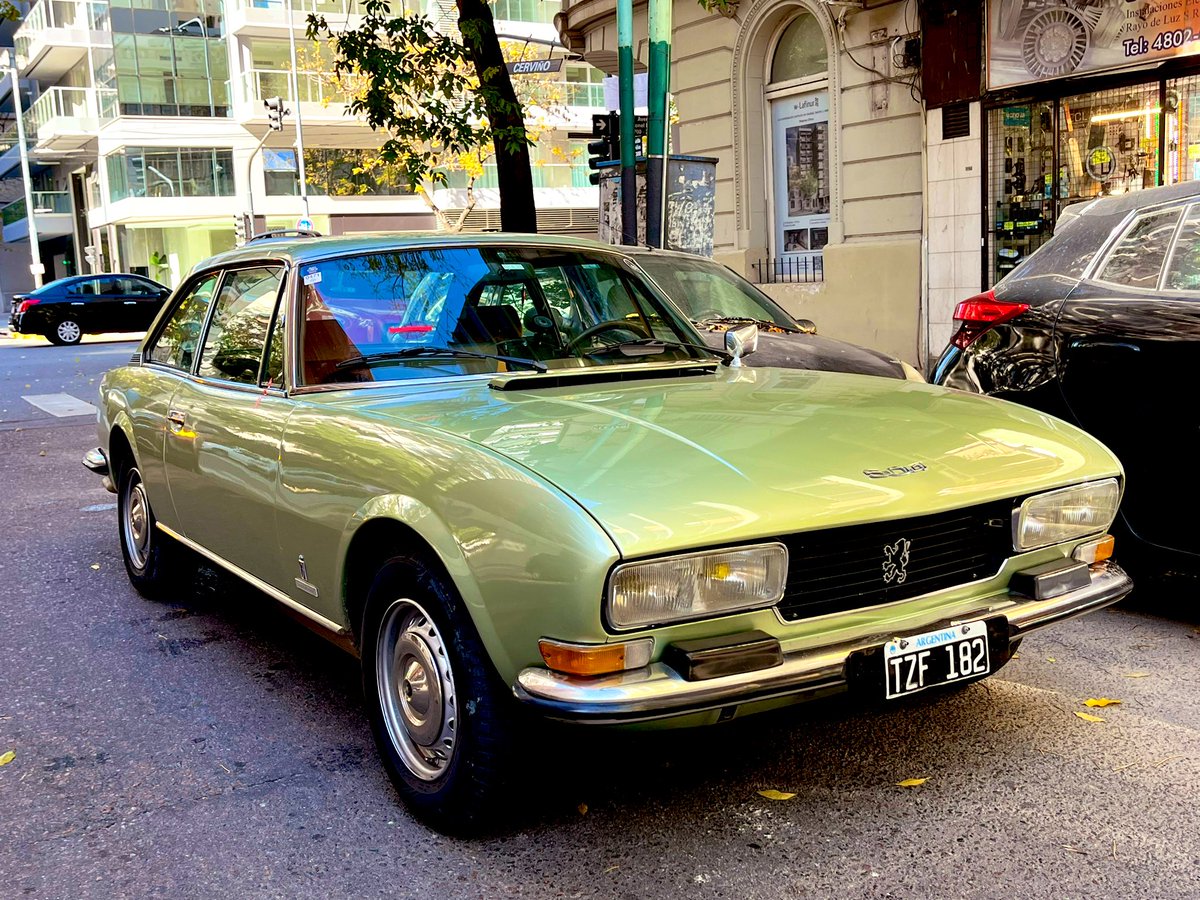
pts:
[896, 470]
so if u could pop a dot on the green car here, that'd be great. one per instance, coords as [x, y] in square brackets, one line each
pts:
[506, 473]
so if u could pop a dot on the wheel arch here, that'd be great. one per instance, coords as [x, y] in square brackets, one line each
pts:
[120, 444]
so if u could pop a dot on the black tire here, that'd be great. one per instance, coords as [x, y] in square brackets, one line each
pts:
[149, 554]
[65, 332]
[451, 769]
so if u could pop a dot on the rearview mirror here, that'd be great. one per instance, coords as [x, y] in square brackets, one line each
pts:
[741, 342]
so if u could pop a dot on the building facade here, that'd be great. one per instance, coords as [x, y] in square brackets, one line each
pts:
[813, 111]
[142, 118]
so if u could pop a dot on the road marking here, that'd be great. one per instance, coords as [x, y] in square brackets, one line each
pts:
[98, 507]
[60, 405]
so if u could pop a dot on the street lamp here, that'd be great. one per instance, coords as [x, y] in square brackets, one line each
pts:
[35, 267]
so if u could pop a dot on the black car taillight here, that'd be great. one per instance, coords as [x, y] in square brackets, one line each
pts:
[980, 314]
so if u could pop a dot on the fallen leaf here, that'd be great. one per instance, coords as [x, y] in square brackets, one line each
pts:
[1101, 701]
[7, 756]
[772, 794]
[582, 809]
[1016, 656]
[1137, 674]
[1051, 659]
[95, 565]
[911, 782]
[1088, 717]
[41, 453]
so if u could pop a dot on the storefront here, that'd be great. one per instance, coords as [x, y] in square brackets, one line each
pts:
[1066, 119]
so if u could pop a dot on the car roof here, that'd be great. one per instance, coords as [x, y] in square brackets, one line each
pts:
[1119, 204]
[299, 250]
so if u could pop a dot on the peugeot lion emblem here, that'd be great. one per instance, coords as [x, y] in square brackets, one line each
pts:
[895, 561]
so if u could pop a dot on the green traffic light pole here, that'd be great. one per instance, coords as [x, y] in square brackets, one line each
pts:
[629, 223]
[656, 127]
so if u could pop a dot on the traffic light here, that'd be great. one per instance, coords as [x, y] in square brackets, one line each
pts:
[275, 112]
[607, 146]
[241, 229]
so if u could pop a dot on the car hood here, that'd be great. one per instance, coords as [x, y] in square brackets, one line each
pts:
[801, 350]
[742, 454]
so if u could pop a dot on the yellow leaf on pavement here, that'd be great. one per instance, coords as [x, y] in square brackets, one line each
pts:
[1051, 659]
[95, 565]
[911, 782]
[582, 809]
[1088, 717]
[7, 757]
[772, 794]
[1137, 674]
[1101, 701]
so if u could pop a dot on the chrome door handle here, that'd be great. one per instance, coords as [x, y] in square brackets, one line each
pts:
[176, 421]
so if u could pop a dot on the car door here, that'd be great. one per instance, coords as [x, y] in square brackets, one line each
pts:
[140, 303]
[1127, 340]
[167, 361]
[84, 303]
[226, 423]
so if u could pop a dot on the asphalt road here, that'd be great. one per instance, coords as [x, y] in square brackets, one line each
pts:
[211, 747]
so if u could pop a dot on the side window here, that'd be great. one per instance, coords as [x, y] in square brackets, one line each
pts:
[112, 287]
[176, 343]
[88, 287]
[237, 332]
[1137, 259]
[1183, 270]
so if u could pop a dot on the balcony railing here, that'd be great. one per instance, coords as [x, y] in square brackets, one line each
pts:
[304, 7]
[582, 93]
[69, 15]
[44, 203]
[84, 107]
[541, 11]
[789, 269]
[259, 84]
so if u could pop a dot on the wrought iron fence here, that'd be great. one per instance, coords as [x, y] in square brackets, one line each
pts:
[784, 269]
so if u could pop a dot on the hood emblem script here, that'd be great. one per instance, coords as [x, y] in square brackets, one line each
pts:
[893, 471]
[895, 561]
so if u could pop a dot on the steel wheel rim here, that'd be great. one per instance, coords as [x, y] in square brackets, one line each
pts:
[68, 331]
[135, 522]
[415, 684]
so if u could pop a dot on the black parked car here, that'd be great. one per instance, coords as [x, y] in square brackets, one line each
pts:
[716, 299]
[1101, 327]
[67, 309]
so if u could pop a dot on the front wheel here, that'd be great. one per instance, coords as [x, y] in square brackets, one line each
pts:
[67, 331]
[440, 719]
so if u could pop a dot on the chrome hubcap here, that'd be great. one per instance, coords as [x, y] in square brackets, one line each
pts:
[136, 522]
[416, 689]
[68, 331]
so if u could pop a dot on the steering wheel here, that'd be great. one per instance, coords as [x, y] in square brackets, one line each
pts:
[600, 328]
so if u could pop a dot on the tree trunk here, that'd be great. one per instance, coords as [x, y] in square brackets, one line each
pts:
[507, 118]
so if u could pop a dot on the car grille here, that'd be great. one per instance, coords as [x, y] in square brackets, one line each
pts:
[847, 568]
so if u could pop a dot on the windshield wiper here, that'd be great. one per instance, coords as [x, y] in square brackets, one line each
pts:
[653, 347]
[384, 356]
[744, 320]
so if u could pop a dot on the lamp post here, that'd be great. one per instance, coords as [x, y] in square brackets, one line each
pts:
[296, 99]
[35, 268]
[656, 127]
[629, 223]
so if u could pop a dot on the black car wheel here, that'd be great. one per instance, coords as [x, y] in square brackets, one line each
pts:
[65, 331]
[441, 721]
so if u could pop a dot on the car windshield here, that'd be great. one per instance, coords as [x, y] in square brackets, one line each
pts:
[706, 291]
[456, 311]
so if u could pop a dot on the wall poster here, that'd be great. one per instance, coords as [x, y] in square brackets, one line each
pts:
[1039, 40]
[800, 147]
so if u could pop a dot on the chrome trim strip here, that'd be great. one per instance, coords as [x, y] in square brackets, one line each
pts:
[273, 593]
[657, 691]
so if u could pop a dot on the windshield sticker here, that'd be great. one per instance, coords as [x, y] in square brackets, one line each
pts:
[312, 276]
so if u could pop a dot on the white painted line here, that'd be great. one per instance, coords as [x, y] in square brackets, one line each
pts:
[60, 405]
[98, 507]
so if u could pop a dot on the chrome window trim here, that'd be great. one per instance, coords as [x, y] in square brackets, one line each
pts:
[225, 273]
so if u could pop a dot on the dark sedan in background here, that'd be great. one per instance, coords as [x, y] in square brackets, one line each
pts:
[715, 299]
[67, 309]
[1101, 326]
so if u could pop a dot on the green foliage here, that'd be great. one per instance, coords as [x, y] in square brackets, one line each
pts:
[9, 12]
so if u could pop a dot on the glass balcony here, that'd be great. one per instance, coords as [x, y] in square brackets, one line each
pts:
[529, 11]
[259, 84]
[67, 118]
[57, 34]
[44, 202]
[266, 18]
[584, 94]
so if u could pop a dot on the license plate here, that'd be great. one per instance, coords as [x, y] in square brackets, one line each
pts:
[950, 654]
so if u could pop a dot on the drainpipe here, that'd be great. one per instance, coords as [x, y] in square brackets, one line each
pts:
[35, 252]
[629, 215]
[659, 85]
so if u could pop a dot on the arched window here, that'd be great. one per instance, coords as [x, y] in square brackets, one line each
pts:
[798, 96]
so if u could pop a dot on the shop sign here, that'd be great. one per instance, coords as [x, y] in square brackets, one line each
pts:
[1035, 40]
[1101, 162]
[1016, 116]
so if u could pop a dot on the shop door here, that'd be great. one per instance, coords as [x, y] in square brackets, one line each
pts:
[1128, 340]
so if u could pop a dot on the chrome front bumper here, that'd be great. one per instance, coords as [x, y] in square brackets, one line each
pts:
[658, 691]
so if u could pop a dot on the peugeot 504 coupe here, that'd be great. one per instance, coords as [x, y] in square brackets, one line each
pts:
[502, 471]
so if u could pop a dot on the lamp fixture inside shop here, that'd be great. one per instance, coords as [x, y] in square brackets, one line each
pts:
[1127, 114]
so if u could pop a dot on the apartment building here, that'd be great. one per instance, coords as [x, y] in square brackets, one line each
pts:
[142, 118]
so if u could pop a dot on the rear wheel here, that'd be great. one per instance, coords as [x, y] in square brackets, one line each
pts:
[147, 552]
[65, 331]
[441, 721]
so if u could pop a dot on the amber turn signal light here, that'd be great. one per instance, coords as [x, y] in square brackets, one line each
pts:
[1095, 551]
[595, 659]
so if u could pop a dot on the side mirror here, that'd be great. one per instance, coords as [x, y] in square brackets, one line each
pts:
[741, 342]
[807, 326]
